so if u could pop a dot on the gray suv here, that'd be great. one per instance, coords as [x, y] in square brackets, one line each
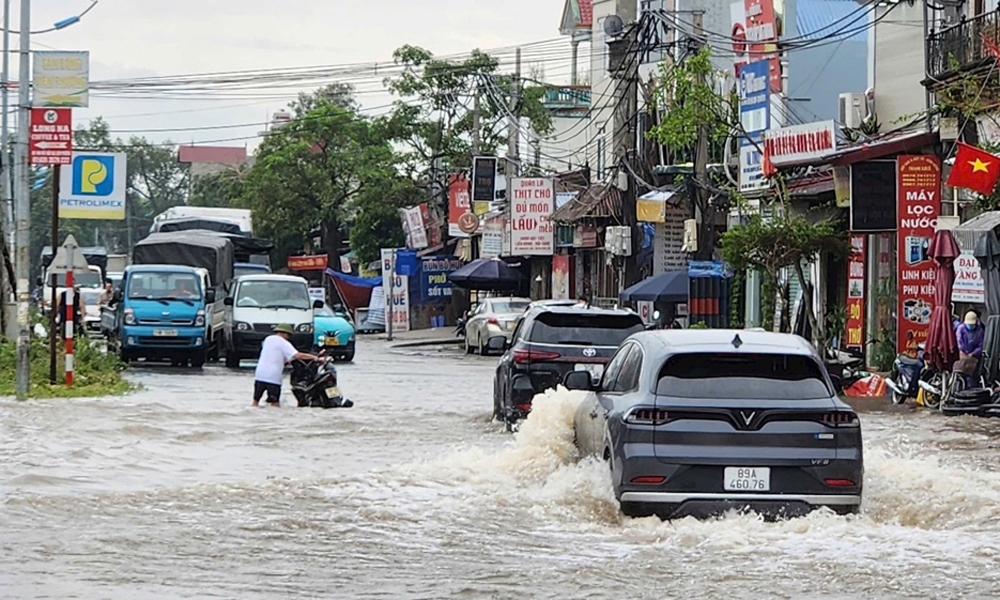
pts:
[697, 422]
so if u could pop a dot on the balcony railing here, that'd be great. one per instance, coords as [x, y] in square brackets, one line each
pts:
[567, 98]
[961, 46]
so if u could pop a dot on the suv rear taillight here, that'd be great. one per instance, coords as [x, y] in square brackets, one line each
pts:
[841, 418]
[646, 416]
[527, 356]
[493, 321]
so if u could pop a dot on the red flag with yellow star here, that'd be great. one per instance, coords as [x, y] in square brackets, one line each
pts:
[974, 169]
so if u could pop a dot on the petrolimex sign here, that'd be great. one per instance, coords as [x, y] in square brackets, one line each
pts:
[93, 186]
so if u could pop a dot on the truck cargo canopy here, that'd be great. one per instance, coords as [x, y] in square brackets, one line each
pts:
[200, 223]
[95, 255]
[189, 248]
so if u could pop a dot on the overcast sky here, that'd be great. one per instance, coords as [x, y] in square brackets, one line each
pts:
[143, 38]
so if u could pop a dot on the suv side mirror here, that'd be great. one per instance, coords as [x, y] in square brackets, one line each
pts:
[317, 304]
[228, 301]
[497, 343]
[209, 296]
[578, 380]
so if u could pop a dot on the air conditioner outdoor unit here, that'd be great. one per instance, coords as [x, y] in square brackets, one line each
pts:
[853, 109]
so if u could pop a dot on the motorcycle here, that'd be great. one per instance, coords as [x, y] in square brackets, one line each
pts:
[314, 383]
[907, 373]
[460, 327]
[844, 367]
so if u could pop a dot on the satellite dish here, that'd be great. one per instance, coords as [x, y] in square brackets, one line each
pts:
[613, 26]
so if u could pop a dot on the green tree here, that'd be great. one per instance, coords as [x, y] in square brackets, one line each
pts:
[782, 240]
[220, 190]
[309, 174]
[433, 119]
[687, 95]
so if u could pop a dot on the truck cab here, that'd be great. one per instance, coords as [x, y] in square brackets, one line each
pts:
[256, 304]
[160, 312]
[91, 280]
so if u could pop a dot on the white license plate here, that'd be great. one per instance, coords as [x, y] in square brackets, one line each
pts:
[333, 392]
[747, 479]
[595, 370]
[165, 333]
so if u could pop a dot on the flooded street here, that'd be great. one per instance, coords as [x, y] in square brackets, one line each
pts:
[185, 491]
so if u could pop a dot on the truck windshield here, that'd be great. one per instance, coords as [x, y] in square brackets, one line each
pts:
[164, 286]
[273, 294]
[90, 279]
[241, 270]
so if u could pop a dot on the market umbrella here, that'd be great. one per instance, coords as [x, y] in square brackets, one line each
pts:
[987, 252]
[489, 274]
[669, 288]
[942, 347]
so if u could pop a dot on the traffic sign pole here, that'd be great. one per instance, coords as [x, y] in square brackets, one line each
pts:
[70, 305]
[54, 276]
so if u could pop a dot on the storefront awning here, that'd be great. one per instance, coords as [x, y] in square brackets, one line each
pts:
[600, 201]
[887, 145]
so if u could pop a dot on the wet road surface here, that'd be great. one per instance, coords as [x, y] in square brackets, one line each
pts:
[185, 491]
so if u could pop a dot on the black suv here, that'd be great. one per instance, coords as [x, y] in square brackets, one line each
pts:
[547, 343]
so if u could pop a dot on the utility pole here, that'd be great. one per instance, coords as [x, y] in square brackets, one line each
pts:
[625, 136]
[703, 213]
[476, 117]
[22, 207]
[513, 138]
[7, 231]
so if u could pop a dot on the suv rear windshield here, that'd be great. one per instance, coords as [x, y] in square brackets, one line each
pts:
[583, 329]
[731, 376]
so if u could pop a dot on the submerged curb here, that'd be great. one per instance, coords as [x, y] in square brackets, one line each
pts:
[433, 342]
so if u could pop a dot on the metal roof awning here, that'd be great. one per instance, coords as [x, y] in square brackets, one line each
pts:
[886, 146]
[968, 234]
[600, 201]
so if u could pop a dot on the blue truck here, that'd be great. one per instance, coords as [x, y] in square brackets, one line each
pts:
[168, 305]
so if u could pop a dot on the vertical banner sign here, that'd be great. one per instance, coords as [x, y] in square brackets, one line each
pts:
[50, 141]
[93, 187]
[919, 204]
[854, 330]
[413, 223]
[762, 34]
[755, 118]
[461, 220]
[493, 233]
[560, 277]
[399, 295]
[484, 182]
[532, 202]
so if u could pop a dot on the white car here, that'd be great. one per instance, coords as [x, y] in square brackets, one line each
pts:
[493, 317]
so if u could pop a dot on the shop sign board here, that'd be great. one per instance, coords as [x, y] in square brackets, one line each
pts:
[918, 207]
[854, 330]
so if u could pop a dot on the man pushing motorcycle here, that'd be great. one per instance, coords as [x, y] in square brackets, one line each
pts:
[275, 353]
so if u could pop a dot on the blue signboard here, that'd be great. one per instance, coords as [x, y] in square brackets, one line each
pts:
[433, 278]
[755, 117]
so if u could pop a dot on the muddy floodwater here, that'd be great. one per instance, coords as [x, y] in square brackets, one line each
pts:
[185, 491]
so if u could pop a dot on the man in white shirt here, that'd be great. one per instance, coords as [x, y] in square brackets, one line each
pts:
[275, 353]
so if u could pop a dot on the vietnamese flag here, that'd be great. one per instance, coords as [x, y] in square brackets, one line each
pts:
[974, 169]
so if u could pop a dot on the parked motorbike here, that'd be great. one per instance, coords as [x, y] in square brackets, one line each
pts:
[460, 327]
[315, 384]
[907, 372]
[844, 367]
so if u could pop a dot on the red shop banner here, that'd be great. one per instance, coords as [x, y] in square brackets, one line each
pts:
[919, 204]
[854, 330]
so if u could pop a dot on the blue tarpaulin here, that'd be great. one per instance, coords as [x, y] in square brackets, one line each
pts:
[370, 282]
[708, 268]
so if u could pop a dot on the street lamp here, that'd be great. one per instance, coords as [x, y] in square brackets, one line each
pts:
[6, 185]
[22, 171]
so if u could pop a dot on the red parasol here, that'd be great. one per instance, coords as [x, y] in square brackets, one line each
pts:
[942, 347]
